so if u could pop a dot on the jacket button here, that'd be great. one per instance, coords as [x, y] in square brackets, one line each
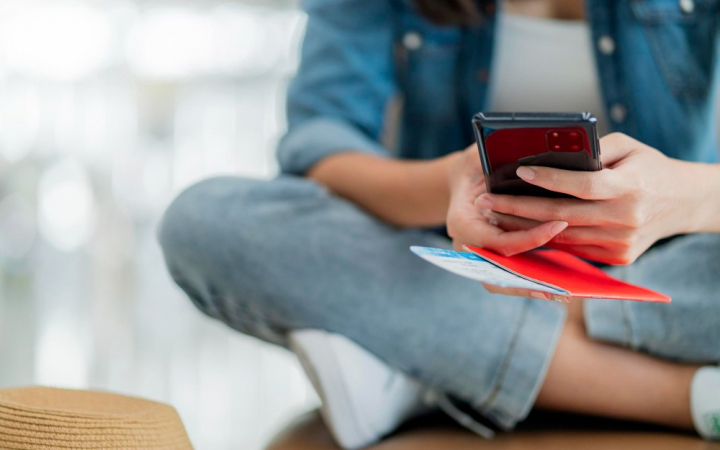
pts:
[606, 45]
[483, 75]
[687, 6]
[412, 40]
[618, 113]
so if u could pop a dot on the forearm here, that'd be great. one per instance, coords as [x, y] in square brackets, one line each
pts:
[400, 192]
[703, 182]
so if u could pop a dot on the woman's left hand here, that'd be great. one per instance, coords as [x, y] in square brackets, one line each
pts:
[639, 197]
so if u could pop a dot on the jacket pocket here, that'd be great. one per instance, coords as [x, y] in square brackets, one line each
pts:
[683, 37]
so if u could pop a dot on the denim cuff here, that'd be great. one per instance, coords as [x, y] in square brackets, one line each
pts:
[525, 365]
[303, 146]
[609, 321]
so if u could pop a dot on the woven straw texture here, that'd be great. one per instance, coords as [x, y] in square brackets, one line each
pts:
[40, 418]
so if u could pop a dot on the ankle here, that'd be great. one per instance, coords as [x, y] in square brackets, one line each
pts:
[705, 402]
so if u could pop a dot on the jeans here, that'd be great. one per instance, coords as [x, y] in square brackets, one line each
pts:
[269, 257]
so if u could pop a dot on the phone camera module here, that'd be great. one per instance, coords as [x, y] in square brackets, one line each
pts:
[565, 141]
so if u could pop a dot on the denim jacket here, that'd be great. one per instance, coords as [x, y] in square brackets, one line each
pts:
[377, 77]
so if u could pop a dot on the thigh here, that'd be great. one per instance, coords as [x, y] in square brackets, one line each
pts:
[268, 257]
[688, 329]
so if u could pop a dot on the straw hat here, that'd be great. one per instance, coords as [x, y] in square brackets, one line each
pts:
[41, 418]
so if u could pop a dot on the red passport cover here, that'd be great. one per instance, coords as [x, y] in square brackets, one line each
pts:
[567, 272]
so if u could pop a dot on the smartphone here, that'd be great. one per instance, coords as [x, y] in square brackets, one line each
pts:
[509, 140]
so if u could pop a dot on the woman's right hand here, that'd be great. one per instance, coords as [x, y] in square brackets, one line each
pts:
[469, 225]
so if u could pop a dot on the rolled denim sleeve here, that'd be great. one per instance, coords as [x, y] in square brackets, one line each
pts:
[338, 98]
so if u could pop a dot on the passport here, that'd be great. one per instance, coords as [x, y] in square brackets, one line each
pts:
[544, 274]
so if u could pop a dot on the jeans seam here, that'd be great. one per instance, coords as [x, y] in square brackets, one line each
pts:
[627, 323]
[502, 373]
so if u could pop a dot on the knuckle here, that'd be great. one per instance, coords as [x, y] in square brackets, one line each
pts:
[626, 258]
[552, 177]
[591, 188]
[621, 260]
[502, 250]
[611, 139]
[634, 219]
[506, 252]
[616, 138]
[555, 212]
[561, 238]
[504, 206]
[624, 244]
[639, 189]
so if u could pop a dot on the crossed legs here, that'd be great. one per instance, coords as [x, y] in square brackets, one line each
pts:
[268, 257]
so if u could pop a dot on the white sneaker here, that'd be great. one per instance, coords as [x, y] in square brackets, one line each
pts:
[705, 402]
[363, 399]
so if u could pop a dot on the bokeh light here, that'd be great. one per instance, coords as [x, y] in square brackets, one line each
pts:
[65, 206]
[57, 40]
[17, 227]
[108, 109]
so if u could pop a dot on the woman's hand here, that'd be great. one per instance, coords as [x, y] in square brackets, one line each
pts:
[638, 198]
[467, 225]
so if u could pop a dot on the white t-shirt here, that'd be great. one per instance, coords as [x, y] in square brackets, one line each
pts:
[545, 65]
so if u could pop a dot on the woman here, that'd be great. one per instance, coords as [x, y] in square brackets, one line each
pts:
[381, 103]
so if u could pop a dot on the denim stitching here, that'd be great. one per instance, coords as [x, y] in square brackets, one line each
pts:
[505, 367]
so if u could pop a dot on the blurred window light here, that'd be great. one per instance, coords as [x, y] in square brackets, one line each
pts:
[244, 45]
[230, 39]
[170, 42]
[66, 215]
[20, 116]
[17, 227]
[62, 40]
[61, 357]
[115, 246]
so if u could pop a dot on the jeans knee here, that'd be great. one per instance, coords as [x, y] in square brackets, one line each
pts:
[192, 231]
[219, 236]
[184, 228]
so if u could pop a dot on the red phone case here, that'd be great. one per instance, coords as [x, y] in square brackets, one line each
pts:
[507, 141]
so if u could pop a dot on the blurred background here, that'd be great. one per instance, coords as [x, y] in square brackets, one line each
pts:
[108, 108]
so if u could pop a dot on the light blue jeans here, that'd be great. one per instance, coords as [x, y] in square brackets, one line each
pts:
[269, 257]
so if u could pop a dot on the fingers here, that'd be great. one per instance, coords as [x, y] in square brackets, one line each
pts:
[614, 238]
[479, 232]
[508, 243]
[468, 230]
[509, 223]
[524, 292]
[616, 146]
[602, 244]
[595, 253]
[600, 185]
[574, 211]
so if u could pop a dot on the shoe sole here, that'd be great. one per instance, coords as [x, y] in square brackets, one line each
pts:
[313, 350]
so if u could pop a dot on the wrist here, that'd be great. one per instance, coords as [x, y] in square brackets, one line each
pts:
[703, 197]
[453, 164]
[463, 165]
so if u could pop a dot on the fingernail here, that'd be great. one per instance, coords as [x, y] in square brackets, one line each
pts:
[484, 202]
[526, 173]
[558, 227]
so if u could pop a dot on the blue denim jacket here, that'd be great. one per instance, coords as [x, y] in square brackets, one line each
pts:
[373, 65]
